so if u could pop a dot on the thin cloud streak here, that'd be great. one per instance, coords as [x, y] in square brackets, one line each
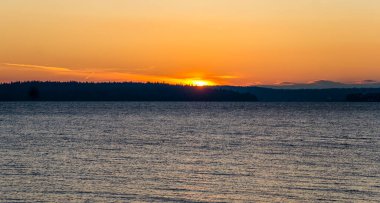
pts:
[70, 72]
[98, 75]
[89, 73]
[49, 68]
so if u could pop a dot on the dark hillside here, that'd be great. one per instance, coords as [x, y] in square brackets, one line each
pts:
[74, 91]
[305, 95]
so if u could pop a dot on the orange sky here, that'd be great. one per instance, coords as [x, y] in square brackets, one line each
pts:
[237, 42]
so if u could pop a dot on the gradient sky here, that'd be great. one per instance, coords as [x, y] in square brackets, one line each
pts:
[238, 42]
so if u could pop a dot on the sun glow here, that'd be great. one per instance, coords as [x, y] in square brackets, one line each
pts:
[201, 83]
[198, 82]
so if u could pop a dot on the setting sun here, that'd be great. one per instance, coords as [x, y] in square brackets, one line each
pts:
[200, 83]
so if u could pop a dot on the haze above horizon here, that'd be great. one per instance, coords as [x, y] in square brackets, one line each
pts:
[199, 42]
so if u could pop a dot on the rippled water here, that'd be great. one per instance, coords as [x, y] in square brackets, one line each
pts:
[189, 152]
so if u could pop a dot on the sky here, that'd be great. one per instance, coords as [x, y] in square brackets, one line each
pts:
[215, 42]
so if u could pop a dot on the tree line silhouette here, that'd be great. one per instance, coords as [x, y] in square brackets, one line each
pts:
[130, 91]
[77, 91]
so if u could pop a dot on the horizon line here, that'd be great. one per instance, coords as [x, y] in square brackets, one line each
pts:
[284, 84]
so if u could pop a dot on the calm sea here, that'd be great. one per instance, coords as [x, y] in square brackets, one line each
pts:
[189, 152]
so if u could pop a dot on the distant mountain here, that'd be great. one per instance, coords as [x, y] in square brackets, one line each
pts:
[324, 84]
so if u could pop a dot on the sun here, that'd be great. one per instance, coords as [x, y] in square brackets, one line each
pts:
[200, 83]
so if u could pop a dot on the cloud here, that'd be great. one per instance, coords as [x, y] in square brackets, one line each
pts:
[49, 68]
[368, 82]
[96, 75]
[113, 74]
[226, 77]
[142, 71]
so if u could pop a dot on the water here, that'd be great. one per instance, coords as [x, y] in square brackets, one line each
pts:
[189, 152]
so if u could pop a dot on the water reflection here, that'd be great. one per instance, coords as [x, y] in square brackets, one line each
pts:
[189, 152]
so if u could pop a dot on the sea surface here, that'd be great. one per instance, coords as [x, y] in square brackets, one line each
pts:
[189, 152]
